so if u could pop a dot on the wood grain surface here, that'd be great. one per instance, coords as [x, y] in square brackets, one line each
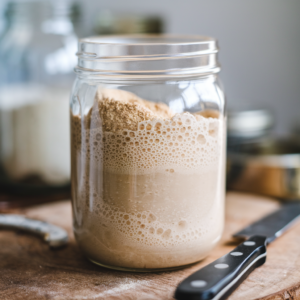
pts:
[29, 270]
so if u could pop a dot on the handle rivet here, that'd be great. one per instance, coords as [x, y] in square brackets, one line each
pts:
[236, 253]
[249, 243]
[221, 266]
[198, 283]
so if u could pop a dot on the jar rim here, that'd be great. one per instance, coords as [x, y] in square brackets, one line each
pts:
[173, 39]
[148, 54]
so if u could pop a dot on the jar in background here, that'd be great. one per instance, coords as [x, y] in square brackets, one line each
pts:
[248, 128]
[148, 151]
[37, 57]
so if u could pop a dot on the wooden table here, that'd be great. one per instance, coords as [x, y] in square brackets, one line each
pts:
[30, 270]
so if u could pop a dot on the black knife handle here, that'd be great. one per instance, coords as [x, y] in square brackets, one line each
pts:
[217, 280]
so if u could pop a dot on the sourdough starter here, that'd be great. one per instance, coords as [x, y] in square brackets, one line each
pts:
[146, 184]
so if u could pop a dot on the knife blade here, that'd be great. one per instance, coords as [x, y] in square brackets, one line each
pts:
[219, 279]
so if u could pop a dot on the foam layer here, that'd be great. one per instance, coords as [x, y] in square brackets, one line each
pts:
[184, 141]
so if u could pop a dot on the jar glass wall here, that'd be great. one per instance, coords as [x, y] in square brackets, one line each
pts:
[147, 160]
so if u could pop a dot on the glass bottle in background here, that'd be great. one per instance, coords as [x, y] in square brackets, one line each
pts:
[37, 57]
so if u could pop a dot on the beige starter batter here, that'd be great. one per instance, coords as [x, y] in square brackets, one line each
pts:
[146, 184]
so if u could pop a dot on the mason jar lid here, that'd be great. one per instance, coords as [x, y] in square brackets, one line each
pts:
[148, 55]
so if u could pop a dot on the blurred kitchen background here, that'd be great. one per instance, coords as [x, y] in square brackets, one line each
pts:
[259, 53]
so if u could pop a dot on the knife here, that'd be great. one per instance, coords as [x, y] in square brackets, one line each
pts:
[219, 279]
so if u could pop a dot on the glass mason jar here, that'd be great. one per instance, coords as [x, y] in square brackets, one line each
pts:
[37, 59]
[148, 151]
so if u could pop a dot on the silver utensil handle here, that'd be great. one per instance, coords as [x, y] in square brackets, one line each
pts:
[53, 235]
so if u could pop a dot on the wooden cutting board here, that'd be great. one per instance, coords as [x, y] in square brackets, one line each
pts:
[30, 270]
